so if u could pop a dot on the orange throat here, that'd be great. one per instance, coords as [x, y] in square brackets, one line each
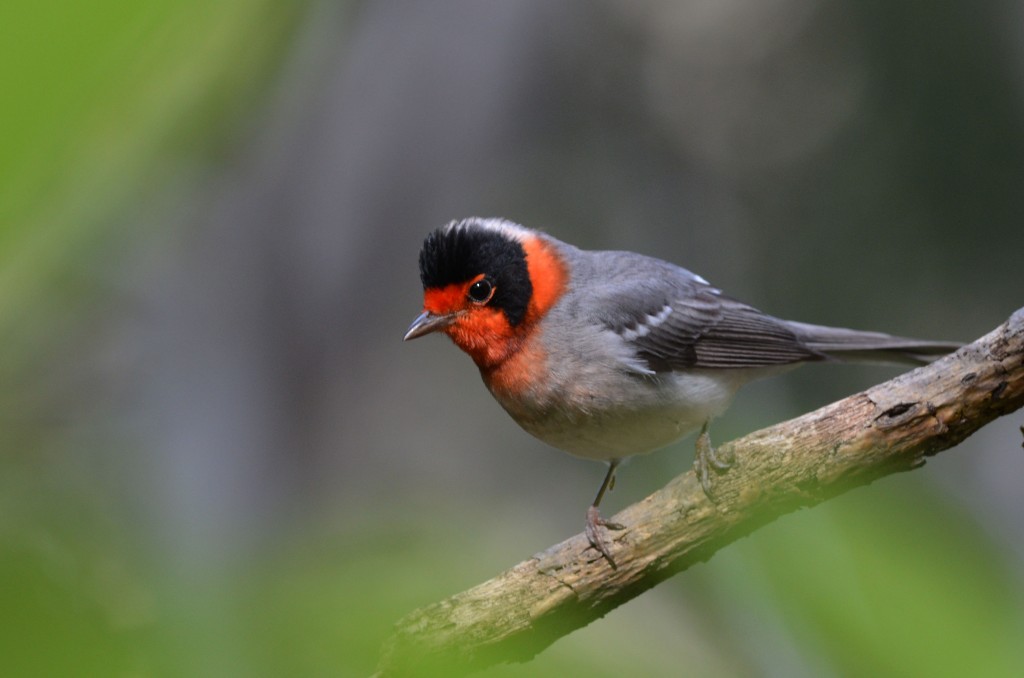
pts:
[520, 372]
[487, 337]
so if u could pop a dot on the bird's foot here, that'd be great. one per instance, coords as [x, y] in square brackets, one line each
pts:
[594, 534]
[707, 459]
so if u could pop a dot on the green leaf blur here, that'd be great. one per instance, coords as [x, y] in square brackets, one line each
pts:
[115, 111]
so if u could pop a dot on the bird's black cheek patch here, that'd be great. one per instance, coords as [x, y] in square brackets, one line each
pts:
[513, 296]
[458, 254]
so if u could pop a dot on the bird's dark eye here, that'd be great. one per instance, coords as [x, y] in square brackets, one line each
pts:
[481, 291]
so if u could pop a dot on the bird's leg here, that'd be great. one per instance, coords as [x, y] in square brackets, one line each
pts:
[594, 520]
[707, 459]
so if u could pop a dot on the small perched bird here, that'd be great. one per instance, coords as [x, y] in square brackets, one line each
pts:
[609, 354]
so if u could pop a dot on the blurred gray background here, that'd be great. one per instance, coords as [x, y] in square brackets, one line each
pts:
[225, 460]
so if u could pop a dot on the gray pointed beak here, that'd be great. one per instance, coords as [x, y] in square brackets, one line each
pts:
[426, 323]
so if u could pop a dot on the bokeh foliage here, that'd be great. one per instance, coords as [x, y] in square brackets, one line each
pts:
[109, 101]
[104, 102]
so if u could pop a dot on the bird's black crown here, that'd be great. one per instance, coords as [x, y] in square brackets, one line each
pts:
[461, 251]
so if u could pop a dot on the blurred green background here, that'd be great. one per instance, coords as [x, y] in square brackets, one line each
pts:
[219, 458]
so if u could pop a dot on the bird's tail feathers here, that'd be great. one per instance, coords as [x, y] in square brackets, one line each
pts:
[849, 345]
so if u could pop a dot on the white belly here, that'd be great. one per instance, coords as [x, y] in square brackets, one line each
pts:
[612, 435]
[634, 417]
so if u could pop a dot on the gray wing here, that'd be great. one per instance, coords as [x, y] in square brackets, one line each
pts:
[678, 321]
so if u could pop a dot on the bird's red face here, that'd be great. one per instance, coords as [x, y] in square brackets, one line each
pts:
[486, 288]
[465, 313]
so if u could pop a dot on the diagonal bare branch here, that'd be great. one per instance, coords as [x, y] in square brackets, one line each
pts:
[889, 428]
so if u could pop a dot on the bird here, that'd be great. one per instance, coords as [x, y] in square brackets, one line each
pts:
[610, 354]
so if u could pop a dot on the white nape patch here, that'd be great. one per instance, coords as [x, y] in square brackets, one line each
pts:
[647, 324]
[509, 229]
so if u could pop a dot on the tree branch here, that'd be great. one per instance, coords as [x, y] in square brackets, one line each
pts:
[889, 428]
